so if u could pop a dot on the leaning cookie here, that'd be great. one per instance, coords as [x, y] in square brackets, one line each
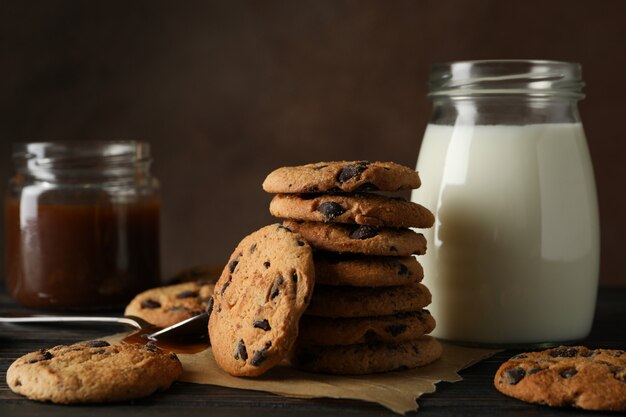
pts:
[365, 208]
[259, 299]
[333, 301]
[367, 240]
[397, 328]
[367, 358]
[366, 271]
[342, 176]
[93, 372]
[567, 376]
[165, 306]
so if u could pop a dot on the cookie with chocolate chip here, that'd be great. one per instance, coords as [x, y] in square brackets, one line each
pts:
[353, 238]
[202, 273]
[361, 208]
[93, 372]
[567, 376]
[367, 358]
[396, 328]
[366, 271]
[342, 176]
[168, 305]
[258, 300]
[344, 301]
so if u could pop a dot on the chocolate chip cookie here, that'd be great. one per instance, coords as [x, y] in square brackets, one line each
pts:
[364, 208]
[397, 328]
[368, 240]
[342, 176]
[203, 273]
[263, 291]
[567, 376]
[165, 306]
[366, 271]
[93, 372]
[331, 301]
[367, 358]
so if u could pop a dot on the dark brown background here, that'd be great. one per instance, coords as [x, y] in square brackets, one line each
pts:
[227, 91]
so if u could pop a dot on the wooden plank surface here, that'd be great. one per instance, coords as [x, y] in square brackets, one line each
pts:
[474, 396]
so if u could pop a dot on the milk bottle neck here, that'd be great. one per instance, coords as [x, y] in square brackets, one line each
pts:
[510, 92]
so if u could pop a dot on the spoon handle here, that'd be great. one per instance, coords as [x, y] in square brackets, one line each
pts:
[70, 319]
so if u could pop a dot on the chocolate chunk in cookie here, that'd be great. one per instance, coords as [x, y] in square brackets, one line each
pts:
[329, 210]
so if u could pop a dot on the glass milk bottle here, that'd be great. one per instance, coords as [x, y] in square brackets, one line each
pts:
[513, 258]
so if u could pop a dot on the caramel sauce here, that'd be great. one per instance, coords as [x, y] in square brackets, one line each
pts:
[80, 255]
[176, 345]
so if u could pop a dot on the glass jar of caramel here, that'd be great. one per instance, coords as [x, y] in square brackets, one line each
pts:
[82, 224]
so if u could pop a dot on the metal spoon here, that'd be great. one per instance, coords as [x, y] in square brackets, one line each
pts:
[195, 326]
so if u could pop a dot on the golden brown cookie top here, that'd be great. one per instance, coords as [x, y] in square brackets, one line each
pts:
[592, 379]
[93, 372]
[259, 299]
[346, 176]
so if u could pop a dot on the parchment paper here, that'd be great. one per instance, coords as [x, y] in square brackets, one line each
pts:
[397, 391]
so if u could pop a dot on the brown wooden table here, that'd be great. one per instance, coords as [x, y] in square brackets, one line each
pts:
[473, 396]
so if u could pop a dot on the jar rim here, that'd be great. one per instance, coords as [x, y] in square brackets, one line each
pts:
[530, 77]
[80, 158]
[76, 148]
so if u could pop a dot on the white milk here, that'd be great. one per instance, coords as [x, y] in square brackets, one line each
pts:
[514, 254]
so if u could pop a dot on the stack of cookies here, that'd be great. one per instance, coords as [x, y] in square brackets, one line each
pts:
[367, 311]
